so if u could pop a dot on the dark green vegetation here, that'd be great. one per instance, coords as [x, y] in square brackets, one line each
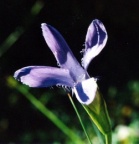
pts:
[117, 67]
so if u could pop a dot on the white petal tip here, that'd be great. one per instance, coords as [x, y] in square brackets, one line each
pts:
[86, 91]
[43, 24]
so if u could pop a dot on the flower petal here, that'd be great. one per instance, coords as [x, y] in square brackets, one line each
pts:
[61, 51]
[95, 41]
[44, 76]
[85, 91]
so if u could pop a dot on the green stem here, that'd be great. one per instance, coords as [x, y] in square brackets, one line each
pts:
[79, 118]
[108, 139]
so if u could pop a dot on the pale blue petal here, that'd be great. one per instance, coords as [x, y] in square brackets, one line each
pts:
[95, 41]
[44, 76]
[62, 52]
[85, 91]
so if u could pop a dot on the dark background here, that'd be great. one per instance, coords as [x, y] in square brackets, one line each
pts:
[117, 67]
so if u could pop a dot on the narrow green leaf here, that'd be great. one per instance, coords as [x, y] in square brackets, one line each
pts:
[79, 117]
[98, 113]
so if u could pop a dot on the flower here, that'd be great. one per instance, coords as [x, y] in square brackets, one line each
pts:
[71, 73]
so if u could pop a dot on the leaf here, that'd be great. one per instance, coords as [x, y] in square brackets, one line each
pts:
[98, 113]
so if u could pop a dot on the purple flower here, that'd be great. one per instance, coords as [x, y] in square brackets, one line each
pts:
[71, 73]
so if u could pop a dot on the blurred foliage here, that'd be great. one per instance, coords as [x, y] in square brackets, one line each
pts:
[22, 44]
[124, 113]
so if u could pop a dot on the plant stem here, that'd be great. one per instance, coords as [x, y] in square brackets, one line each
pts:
[79, 118]
[108, 139]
